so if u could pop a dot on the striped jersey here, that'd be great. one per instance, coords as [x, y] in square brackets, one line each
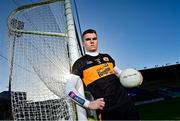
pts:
[98, 76]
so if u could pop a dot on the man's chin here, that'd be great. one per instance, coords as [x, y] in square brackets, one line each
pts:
[93, 50]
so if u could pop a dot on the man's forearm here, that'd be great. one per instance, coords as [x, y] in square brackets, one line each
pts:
[73, 93]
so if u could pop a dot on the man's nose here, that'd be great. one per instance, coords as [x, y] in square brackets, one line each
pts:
[92, 41]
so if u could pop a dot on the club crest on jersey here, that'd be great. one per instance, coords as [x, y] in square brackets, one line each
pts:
[106, 59]
[98, 60]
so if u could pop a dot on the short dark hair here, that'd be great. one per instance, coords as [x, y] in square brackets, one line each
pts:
[89, 31]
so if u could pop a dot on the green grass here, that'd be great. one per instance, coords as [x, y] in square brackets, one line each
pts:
[162, 110]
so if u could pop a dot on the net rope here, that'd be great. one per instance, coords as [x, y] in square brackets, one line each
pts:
[38, 87]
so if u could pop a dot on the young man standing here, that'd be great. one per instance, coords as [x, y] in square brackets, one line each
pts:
[100, 75]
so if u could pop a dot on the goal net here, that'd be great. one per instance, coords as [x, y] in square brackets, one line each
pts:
[39, 62]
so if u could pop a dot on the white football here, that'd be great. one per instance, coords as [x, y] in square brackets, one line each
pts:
[131, 78]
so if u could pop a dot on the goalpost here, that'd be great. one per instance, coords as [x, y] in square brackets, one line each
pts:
[42, 49]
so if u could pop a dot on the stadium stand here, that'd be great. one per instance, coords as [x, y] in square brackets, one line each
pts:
[160, 77]
[159, 83]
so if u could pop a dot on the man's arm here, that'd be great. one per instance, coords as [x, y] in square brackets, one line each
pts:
[78, 98]
[117, 71]
[73, 93]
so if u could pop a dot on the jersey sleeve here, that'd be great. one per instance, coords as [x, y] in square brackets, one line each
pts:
[112, 60]
[77, 69]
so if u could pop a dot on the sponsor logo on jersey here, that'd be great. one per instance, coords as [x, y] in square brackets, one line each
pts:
[96, 72]
[89, 62]
[104, 70]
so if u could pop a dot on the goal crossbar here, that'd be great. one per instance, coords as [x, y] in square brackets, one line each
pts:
[31, 6]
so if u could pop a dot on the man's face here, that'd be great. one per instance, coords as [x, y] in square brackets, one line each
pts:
[90, 42]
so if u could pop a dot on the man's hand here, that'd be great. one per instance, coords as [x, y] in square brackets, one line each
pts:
[97, 104]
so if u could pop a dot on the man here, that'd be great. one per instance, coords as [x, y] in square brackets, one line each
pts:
[101, 77]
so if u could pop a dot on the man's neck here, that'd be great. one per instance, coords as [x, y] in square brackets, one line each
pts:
[95, 53]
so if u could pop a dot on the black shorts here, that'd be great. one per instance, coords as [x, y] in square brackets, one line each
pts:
[125, 112]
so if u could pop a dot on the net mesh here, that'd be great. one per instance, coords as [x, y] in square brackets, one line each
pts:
[39, 63]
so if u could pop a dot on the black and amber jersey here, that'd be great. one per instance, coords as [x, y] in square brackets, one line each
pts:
[98, 76]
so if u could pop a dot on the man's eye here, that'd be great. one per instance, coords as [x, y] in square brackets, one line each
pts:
[88, 39]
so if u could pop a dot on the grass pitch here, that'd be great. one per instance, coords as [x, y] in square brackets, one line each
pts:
[162, 110]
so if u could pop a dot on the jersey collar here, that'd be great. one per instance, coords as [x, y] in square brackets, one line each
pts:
[92, 53]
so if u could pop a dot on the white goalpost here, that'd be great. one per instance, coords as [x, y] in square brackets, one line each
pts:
[42, 49]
